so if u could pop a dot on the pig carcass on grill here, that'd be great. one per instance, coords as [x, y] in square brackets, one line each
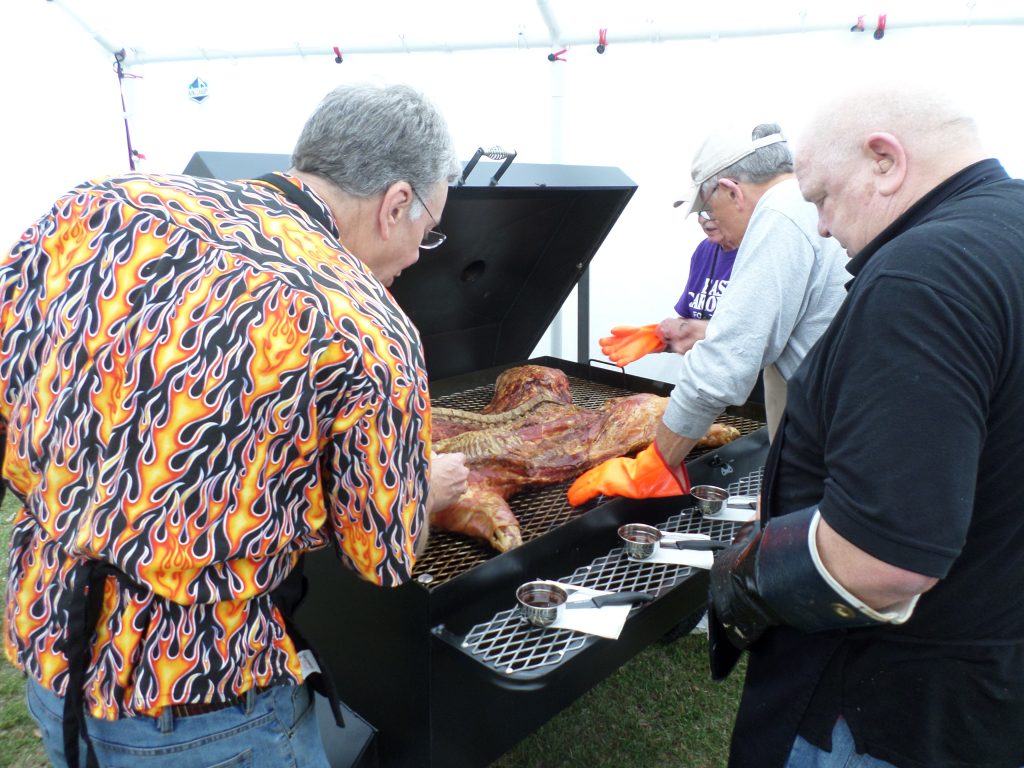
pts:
[530, 435]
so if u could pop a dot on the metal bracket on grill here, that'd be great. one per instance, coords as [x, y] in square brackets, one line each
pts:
[724, 466]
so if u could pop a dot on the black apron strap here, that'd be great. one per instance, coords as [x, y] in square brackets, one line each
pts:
[300, 198]
[286, 598]
[3, 454]
[771, 468]
[83, 616]
[290, 593]
[722, 654]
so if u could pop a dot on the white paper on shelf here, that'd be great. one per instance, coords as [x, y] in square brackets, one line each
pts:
[603, 622]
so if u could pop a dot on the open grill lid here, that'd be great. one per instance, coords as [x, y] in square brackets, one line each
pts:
[516, 247]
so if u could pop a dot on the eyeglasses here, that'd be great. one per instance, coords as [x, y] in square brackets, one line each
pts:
[705, 214]
[431, 238]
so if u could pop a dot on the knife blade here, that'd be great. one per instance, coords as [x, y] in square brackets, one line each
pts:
[615, 598]
[700, 545]
[742, 502]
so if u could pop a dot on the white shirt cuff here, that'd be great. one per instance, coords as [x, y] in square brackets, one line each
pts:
[896, 615]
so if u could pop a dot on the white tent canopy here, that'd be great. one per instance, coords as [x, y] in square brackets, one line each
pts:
[670, 72]
[199, 29]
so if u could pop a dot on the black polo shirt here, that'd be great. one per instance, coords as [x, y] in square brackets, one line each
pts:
[905, 424]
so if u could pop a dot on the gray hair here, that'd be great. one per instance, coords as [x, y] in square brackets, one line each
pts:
[763, 165]
[363, 138]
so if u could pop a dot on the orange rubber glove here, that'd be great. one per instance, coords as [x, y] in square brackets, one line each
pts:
[629, 343]
[644, 477]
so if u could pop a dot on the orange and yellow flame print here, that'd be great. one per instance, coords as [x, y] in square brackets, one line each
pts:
[199, 384]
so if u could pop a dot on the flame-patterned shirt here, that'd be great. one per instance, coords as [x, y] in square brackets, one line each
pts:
[199, 384]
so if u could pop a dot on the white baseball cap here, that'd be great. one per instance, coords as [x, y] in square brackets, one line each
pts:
[718, 152]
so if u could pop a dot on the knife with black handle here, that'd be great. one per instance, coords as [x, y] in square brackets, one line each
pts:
[700, 545]
[615, 598]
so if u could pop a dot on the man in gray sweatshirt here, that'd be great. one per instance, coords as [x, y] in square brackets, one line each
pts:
[787, 283]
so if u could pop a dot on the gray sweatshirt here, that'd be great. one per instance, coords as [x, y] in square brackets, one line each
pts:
[787, 283]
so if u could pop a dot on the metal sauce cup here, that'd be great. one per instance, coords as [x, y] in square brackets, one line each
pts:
[540, 602]
[639, 540]
[710, 498]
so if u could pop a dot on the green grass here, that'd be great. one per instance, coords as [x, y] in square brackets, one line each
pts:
[659, 709]
[20, 746]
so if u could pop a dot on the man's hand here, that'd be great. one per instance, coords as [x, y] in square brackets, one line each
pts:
[645, 477]
[629, 343]
[680, 333]
[448, 476]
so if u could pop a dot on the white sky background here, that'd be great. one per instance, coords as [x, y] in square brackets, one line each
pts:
[644, 107]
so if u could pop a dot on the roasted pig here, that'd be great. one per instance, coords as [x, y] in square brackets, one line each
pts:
[530, 435]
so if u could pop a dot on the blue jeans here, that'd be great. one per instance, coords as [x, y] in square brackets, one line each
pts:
[275, 728]
[843, 754]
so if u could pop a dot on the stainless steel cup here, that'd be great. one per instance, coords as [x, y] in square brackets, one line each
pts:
[639, 540]
[710, 498]
[540, 602]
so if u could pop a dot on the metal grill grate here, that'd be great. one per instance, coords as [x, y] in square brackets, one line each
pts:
[539, 510]
[510, 645]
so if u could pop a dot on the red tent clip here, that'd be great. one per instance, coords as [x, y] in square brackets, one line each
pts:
[602, 40]
[557, 56]
[337, 55]
[880, 29]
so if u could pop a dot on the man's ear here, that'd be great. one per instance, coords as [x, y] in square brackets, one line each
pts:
[394, 207]
[735, 192]
[888, 162]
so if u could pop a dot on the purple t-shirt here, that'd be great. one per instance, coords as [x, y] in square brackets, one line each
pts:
[710, 269]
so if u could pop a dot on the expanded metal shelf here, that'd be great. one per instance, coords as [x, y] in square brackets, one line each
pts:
[509, 645]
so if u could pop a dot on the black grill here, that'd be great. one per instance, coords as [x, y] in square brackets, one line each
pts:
[429, 662]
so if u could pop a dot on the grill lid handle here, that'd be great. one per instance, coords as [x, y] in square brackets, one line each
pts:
[494, 153]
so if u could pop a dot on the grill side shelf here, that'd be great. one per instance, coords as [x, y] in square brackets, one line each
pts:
[513, 649]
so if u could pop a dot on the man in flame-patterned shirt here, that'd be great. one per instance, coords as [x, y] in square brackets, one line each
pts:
[201, 380]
